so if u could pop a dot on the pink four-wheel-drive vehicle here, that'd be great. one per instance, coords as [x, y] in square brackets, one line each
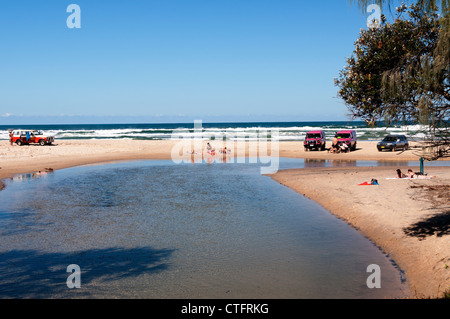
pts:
[347, 137]
[315, 140]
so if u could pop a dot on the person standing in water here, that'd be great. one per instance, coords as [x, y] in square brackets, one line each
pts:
[210, 149]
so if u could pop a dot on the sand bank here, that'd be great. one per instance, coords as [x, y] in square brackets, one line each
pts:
[67, 153]
[408, 219]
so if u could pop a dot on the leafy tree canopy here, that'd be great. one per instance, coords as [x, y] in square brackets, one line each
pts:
[400, 71]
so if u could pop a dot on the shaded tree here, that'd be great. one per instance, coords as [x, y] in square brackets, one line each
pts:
[400, 72]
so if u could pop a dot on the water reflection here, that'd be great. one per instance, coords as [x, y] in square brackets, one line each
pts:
[285, 163]
[34, 175]
[309, 162]
[290, 163]
[209, 159]
[214, 231]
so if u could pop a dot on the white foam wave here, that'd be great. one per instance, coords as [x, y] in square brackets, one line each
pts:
[282, 133]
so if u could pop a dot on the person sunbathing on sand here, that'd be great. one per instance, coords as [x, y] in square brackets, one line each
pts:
[400, 174]
[424, 177]
[411, 174]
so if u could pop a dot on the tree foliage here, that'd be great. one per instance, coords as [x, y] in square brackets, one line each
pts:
[425, 5]
[400, 72]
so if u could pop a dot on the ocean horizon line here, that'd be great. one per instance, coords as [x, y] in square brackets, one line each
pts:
[207, 122]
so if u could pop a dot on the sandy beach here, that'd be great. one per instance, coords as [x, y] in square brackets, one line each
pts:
[67, 153]
[407, 219]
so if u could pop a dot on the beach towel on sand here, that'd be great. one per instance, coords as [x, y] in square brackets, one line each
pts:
[372, 182]
[419, 177]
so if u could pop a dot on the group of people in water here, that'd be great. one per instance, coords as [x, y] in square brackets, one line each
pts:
[212, 151]
[210, 154]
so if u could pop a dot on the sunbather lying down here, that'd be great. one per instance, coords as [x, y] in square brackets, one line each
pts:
[411, 175]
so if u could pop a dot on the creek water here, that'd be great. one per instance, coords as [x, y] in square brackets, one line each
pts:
[155, 229]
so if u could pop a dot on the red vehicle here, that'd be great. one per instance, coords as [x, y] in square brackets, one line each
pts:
[347, 137]
[21, 137]
[315, 140]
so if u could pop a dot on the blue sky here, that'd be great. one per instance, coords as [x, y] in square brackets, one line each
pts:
[162, 60]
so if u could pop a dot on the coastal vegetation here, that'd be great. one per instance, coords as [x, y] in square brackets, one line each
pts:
[399, 72]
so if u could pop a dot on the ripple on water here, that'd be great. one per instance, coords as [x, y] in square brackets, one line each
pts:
[154, 229]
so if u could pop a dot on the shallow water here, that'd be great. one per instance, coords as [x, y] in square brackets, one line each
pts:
[286, 163]
[154, 229]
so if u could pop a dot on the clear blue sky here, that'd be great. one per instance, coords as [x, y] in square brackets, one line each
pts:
[160, 59]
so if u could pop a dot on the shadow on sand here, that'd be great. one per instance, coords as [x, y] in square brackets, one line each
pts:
[31, 274]
[438, 225]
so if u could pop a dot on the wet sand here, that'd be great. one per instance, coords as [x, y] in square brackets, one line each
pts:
[408, 219]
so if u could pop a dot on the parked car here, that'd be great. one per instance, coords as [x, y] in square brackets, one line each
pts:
[315, 140]
[348, 137]
[393, 142]
[21, 137]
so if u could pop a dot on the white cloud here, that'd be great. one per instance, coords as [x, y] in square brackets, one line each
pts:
[6, 115]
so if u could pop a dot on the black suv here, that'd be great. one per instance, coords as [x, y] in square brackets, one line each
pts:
[393, 142]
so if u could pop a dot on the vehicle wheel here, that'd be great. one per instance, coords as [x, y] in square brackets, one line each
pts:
[42, 142]
[323, 147]
[406, 147]
[19, 142]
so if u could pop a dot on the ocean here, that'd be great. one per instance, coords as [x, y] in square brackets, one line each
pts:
[283, 131]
